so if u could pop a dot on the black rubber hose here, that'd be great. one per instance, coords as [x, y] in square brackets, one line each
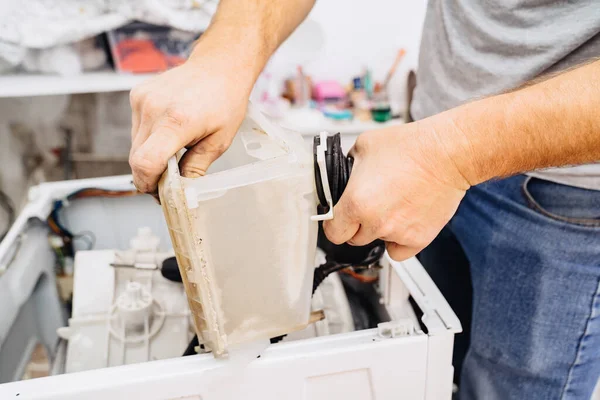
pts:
[170, 270]
[339, 168]
[190, 350]
[331, 266]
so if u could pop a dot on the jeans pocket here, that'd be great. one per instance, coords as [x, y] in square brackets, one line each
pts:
[563, 203]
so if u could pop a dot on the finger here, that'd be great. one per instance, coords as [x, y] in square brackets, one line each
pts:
[149, 160]
[344, 224]
[399, 252]
[364, 236]
[198, 158]
[146, 125]
[353, 152]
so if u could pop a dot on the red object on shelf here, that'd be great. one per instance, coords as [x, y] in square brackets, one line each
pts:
[143, 48]
[140, 55]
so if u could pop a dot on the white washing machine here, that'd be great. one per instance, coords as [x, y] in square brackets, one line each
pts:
[407, 356]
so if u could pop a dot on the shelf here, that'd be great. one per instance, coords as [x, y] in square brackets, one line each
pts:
[25, 85]
[310, 122]
[355, 127]
[307, 122]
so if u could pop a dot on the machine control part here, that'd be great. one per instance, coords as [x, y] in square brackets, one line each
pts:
[134, 305]
[398, 328]
[123, 315]
[64, 332]
[136, 316]
[140, 260]
[144, 253]
[145, 241]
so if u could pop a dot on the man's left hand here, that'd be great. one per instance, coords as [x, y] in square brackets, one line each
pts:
[404, 187]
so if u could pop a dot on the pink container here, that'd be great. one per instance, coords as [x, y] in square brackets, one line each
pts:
[326, 91]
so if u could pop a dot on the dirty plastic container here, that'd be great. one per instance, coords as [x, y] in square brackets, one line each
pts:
[243, 236]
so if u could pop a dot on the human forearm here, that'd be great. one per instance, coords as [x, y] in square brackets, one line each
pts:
[244, 34]
[422, 170]
[552, 123]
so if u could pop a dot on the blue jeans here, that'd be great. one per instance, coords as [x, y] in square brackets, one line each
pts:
[534, 253]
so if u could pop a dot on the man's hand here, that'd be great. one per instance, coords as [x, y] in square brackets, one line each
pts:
[201, 104]
[407, 182]
[198, 105]
[403, 189]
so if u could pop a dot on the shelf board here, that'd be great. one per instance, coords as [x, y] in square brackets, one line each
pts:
[312, 122]
[25, 85]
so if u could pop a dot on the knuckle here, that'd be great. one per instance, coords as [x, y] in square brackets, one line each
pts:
[141, 165]
[149, 109]
[363, 141]
[175, 118]
[193, 170]
[222, 146]
[137, 94]
[215, 145]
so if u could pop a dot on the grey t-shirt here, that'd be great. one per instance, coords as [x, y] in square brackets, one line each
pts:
[476, 48]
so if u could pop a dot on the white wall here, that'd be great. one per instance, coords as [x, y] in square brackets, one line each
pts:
[359, 33]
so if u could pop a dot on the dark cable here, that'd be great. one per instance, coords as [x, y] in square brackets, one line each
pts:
[330, 266]
[67, 236]
[88, 237]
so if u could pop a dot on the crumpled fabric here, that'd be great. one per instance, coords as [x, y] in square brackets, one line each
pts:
[40, 24]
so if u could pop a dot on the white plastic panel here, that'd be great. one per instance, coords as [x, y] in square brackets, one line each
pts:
[30, 310]
[99, 336]
[382, 368]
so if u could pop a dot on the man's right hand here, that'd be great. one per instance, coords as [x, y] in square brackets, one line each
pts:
[198, 105]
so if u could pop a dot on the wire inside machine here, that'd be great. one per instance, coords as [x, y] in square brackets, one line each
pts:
[58, 229]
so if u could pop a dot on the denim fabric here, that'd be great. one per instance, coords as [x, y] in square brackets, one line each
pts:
[534, 252]
[446, 263]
